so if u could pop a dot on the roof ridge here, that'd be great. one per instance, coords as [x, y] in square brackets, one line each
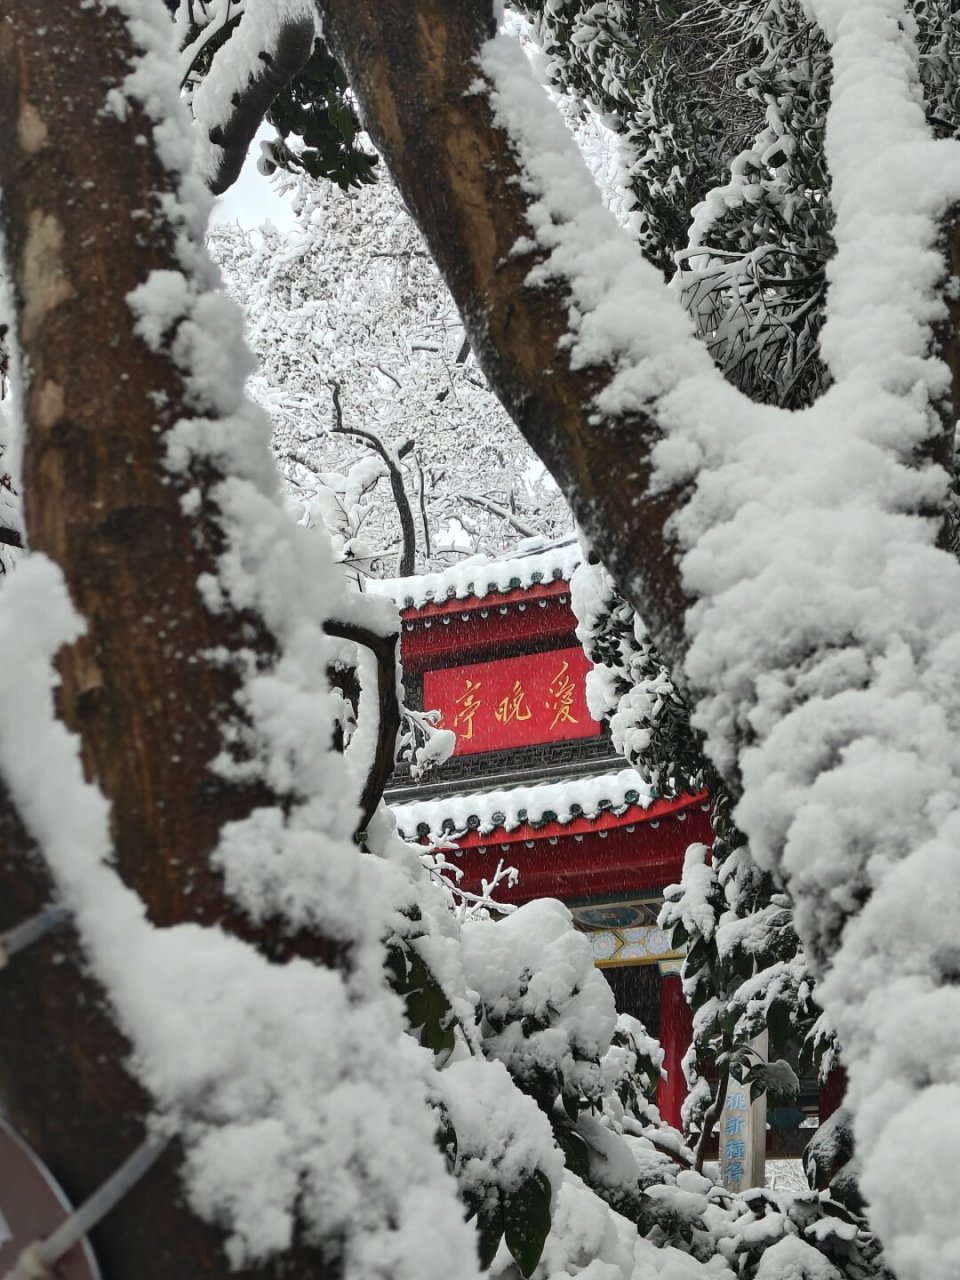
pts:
[479, 577]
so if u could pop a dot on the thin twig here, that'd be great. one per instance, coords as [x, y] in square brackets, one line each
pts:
[503, 512]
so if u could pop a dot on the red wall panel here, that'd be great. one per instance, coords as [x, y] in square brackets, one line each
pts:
[511, 702]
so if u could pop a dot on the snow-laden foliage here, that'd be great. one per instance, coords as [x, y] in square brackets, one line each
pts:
[353, 299]
[547, 1011]
[823, 644]
[744, 971]
[631, 688]
[719, 108]
[236, 58]
[753, 274]
[660, 75]
[524, 999]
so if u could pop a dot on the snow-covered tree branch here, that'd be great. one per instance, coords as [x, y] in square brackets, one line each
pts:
[194, 627]
[195, 806]
[785, 532]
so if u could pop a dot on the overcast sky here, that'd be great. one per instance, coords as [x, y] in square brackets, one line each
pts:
[252, 200]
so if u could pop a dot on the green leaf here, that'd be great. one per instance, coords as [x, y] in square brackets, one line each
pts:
[428, 1009]
[576, 1153]
[396, 969]
[697, 957]
[527, 1221]
[571, 1104]
[778, 1022]
[489, 1234]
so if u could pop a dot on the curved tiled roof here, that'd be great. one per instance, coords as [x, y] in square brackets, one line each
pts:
[479, 577]
[537, 806]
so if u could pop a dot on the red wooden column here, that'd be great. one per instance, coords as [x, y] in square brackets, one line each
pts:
[676, 1032]
[832, 1093]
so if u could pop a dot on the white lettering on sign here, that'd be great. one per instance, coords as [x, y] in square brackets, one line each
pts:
[5, 1232]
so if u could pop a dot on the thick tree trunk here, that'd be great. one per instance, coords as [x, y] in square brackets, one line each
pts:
[98, 402]
[64, 1083]
[412, 67]
[83, 222]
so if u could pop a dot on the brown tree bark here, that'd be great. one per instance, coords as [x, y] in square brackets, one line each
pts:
[64, 1081]
[83, 225]
[98, 498]
[411, 67]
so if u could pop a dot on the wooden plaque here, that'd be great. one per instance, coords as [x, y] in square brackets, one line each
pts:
[31, 1206]
[513, 702]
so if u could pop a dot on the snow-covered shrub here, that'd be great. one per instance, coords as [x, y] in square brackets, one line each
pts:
[744, 971]
[547, 1012]
[631, 688]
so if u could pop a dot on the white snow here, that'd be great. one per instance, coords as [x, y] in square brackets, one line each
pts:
[550, 1010]
[508, 809]
[825, 630]
[502, 1135]
[480, 576]
[689, 904]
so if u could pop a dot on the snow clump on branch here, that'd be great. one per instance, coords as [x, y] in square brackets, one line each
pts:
[823, 644]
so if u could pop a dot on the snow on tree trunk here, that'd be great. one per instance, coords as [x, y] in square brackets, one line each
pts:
[822, 638]
[196, 821]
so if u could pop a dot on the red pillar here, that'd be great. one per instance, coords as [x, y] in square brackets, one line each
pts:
[832, 1093]
[676, 1032]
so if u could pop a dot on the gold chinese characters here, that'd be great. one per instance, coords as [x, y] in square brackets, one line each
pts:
[469, 704]
[514, 706]
[562, 690]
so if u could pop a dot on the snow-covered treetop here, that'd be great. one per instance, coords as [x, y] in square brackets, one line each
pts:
[351, 299]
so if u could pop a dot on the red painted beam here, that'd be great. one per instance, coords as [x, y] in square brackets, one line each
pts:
[680, 809]
[607, 859]
[466, 630]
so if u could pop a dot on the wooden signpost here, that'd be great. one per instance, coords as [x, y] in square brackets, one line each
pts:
[743, 1132]
[31, 1207]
